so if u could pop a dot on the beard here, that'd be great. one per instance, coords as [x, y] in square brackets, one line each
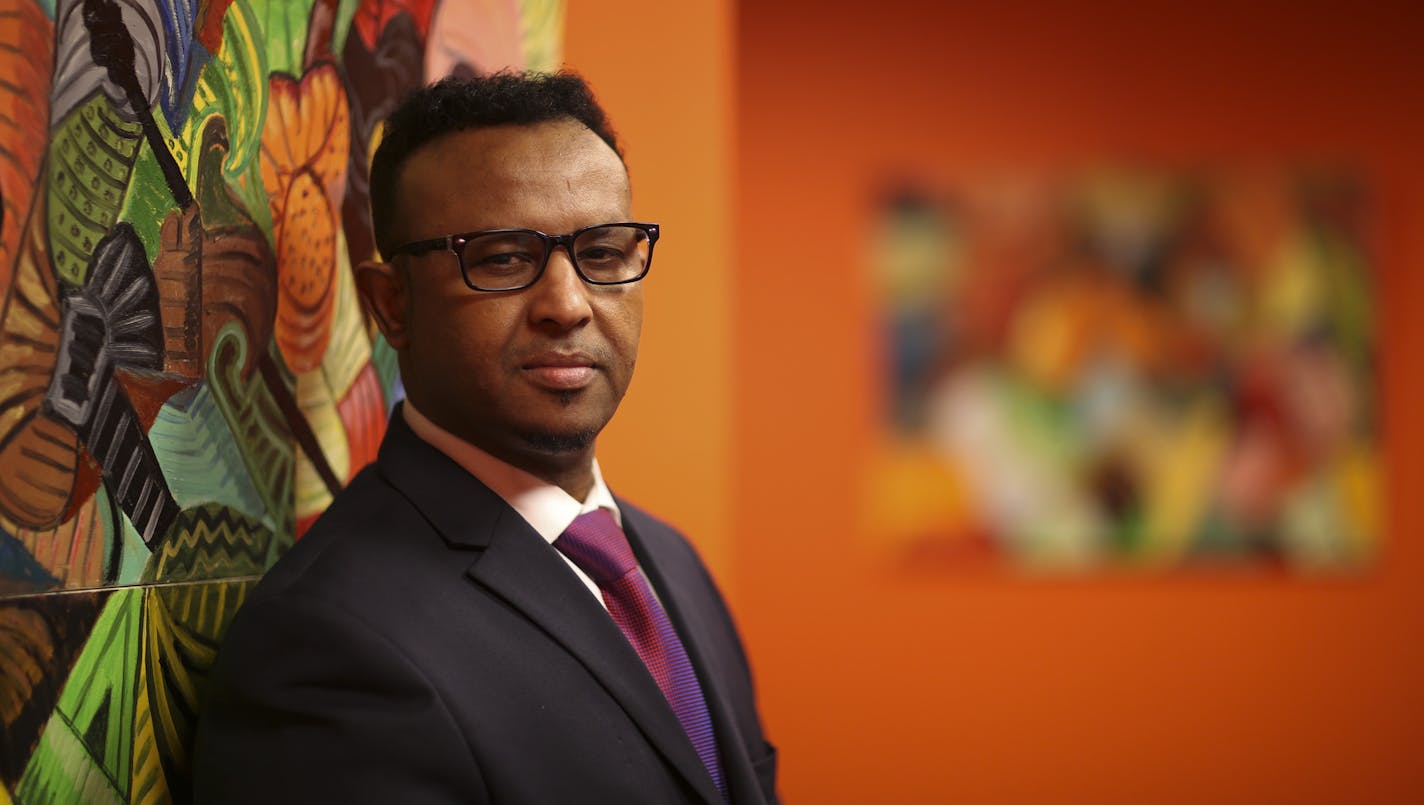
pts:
[558, 443]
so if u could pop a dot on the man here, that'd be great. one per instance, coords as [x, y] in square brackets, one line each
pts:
[476, 618]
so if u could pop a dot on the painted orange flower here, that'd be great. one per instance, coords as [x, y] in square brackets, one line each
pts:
[304, 155]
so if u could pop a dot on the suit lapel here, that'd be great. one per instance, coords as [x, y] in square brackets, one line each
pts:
[517, 565]
[525, 571]
[696, 634]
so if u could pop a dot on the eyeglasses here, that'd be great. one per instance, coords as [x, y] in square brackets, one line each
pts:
[514, 259]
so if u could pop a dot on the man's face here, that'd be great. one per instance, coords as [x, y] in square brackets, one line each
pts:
[530, 376]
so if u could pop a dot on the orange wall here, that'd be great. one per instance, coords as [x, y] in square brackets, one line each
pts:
[750, 408]
[663, 71]
[887, 685]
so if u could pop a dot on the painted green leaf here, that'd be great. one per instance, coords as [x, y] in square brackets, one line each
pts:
[257, 424]
[200, 458]
[284, 30]
[85, 752]
[185, 624]
[233, 84]
[91, 156]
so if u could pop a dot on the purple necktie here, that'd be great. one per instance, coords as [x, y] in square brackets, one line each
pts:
[598, 546]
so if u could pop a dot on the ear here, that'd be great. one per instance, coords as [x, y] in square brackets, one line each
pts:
[385, 292]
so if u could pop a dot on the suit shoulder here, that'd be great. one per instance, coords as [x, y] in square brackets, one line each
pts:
[673, 553]
[367, 526]
[653, 529]
[642, 519]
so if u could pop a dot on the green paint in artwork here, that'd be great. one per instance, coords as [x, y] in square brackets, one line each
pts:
[345, 13]
[85, 753]
[233, 85]
[541, 28]
[61, 771]
[383, 357]
[257, 425]
[199, 457]
[219, 204]
[91, 153]
[150, 784]
[209, 542]
[284, 31]
[240, 81]
[186, 624]
[249, 190]
[148, 200]
[134, 553]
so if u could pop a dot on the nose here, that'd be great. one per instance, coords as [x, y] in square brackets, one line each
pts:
[560, 298]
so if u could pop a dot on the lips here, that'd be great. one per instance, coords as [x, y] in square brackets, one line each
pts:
[559, 371]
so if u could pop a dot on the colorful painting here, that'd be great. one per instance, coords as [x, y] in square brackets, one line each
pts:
[1127, 369]
[186, 374]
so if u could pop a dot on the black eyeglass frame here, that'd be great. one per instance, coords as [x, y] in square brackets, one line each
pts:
[455, 244]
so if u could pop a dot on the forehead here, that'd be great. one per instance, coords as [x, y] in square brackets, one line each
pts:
[555, 176]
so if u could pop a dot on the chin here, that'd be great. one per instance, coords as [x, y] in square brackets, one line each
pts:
[559, 442]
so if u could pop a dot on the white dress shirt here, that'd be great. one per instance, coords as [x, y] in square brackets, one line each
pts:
[546, 507]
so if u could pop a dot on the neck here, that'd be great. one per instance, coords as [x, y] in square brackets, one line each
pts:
[566, 465]
[573, 475]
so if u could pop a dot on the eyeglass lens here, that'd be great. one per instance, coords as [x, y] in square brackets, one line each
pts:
[508, 260]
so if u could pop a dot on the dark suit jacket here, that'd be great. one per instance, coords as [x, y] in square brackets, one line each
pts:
[422, 643]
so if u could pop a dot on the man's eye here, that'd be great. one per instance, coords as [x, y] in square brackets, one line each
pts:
[600, 254]
[505, 260]
[507, 257]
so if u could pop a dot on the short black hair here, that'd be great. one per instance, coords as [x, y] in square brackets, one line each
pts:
[474, 102]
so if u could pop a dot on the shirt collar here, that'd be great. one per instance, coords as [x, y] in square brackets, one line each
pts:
[543, 505]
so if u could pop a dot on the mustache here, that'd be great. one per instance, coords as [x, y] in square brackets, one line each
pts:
[556, 354]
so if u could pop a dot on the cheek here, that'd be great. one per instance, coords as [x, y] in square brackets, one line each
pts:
[459, 339]
[447, 315]
[625, 318]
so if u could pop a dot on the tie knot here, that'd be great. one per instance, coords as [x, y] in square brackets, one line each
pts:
[597, 545]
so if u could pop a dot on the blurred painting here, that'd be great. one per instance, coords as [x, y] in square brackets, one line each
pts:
[1127, 368]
